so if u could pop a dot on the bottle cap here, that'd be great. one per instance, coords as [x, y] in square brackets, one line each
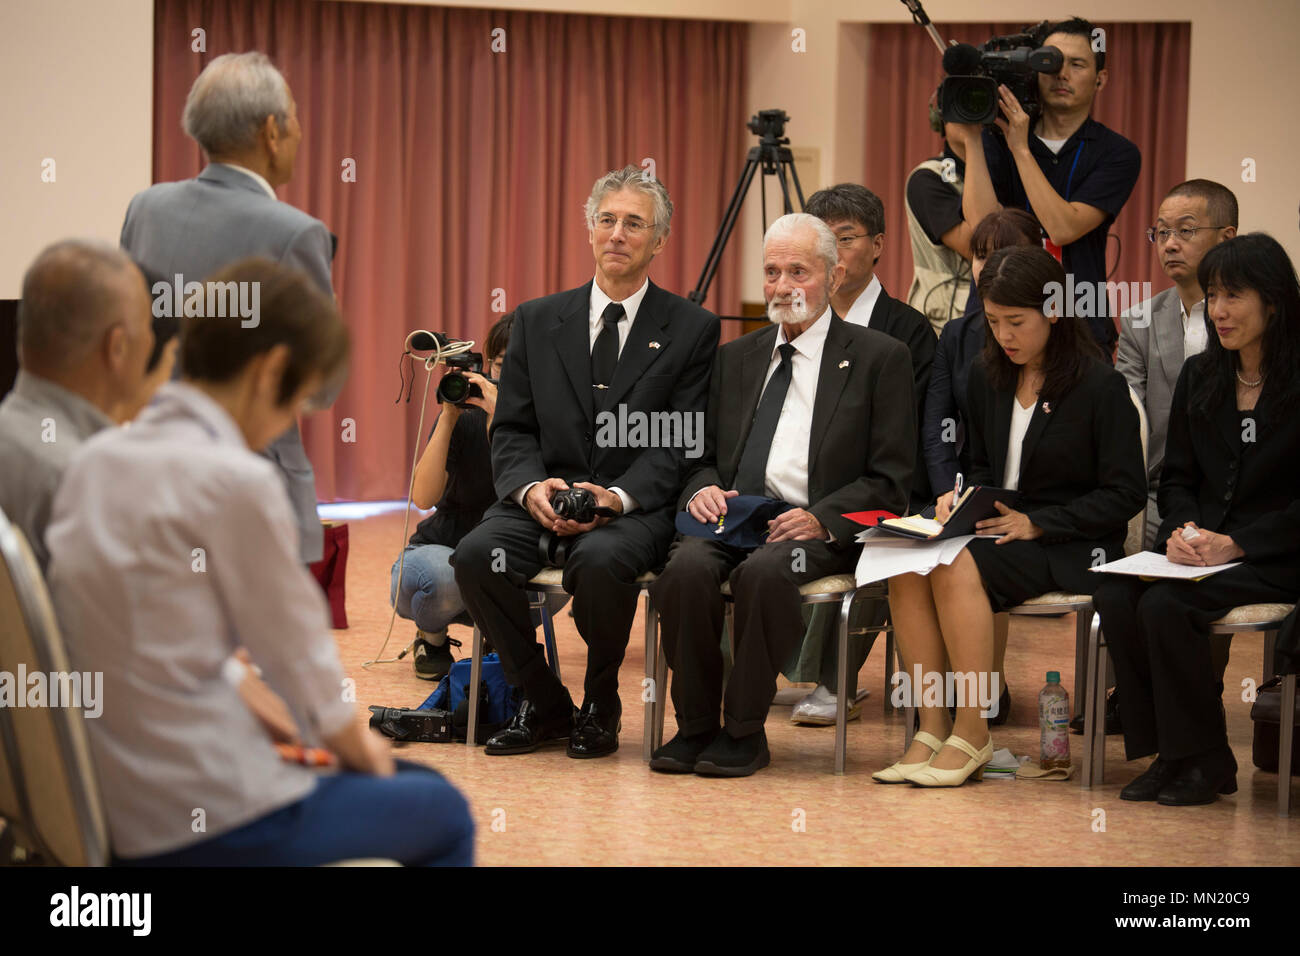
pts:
[1053, 677]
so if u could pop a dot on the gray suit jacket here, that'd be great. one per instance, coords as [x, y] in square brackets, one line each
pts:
[196, 227]
[1150, 358]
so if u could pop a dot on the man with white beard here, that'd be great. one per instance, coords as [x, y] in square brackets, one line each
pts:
[816, 416]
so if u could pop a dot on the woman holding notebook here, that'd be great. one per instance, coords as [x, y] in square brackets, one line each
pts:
[1229, 492]
[1051, 422]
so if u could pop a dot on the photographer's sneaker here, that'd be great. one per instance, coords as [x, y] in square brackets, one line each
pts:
[819, 708]
[433, 661]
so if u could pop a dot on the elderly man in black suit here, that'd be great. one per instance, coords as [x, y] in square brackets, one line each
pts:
[618, 348]
[813, 411]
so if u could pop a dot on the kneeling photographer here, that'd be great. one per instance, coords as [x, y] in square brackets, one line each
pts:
[455, 471]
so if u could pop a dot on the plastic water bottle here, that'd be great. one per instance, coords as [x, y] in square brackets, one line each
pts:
[1054, 724]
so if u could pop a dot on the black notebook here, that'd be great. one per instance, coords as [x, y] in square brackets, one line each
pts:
[975, 504]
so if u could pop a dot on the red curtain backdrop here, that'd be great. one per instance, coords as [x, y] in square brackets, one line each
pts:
[1145, 99]
[472, 168]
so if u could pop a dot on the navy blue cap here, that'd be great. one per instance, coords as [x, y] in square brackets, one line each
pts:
[743, 526]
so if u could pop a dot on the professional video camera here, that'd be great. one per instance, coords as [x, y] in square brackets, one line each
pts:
[454, 388]
[969, 93]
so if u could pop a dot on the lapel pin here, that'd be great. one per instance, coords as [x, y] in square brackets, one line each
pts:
[844, 364]
[654, 345]
[1047, 408]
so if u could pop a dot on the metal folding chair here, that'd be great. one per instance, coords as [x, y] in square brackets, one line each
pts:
[1245, 618]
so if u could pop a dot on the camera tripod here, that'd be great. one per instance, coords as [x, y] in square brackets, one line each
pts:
[772, 155]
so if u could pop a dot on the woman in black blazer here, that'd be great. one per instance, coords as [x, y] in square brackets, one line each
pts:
[960, 344]
[1080, 478]
[1229, 491]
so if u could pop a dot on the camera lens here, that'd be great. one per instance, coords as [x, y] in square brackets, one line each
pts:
[453, 388]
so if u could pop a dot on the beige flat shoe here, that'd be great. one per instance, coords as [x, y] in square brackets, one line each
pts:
[928, 776]
[898, 772]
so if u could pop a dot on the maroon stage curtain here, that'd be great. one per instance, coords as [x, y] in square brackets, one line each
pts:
[472, 167]
[1145, 99]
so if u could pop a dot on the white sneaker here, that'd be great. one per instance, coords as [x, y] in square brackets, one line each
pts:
[819, 708]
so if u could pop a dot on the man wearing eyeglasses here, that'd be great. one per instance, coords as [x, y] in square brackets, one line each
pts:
[617, 347]
[1157, 336]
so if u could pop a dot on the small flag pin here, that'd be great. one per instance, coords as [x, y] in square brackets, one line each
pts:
[844, 364]
[654, 345]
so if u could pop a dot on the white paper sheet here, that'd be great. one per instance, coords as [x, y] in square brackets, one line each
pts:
[1149, 564]
[885, 555]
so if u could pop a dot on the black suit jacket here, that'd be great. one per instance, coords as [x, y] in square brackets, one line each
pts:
[862, 443]
[545, 421]
[1081, 471]
[1249, 490]
[900, 321]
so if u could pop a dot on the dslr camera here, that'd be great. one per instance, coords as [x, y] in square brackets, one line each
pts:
[969, 93]
[455, 388]
[575, 504]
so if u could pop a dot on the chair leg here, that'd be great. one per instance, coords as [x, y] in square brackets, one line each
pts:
[1286, 738]
[650, 700]
[1094, 708]
[842, 686]
[661, 705]
[1270, 648]
[548, 636]
[475, 677]
[1082, 625]
[891, 653]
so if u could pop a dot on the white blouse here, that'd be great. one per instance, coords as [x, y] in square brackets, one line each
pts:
[1019, 425]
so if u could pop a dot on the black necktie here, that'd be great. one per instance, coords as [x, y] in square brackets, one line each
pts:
[751, 474]
[604, 355]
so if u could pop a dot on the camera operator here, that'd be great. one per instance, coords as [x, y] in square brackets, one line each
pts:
[1070, 171]
[618, 345]
[940, 233]
[455, 471]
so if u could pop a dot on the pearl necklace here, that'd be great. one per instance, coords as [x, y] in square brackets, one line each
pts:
[1249, 384]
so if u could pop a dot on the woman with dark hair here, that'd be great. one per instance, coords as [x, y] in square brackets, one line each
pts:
[455, 472]
[943, 423]
[1228, 493]
[1052, 421]
[960, 343]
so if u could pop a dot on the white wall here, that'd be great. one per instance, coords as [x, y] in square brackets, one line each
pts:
[76, 86]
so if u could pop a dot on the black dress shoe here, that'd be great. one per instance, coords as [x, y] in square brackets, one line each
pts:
[1148, 784]
[680, 754]
[1201, 779]
[529, 729]
[595, 730]
[728, 756]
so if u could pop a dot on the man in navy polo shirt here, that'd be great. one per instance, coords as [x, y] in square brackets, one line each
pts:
[1070, 171]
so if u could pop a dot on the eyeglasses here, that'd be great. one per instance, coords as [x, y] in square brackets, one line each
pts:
[1185, 233]
[633, 226]
[846, 241]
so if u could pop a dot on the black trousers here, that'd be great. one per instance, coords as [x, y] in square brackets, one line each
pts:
[1170, 686]
[494, 562]
[768, 624]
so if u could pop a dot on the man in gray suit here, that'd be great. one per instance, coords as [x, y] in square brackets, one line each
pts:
[1169, 328]
[242, 114]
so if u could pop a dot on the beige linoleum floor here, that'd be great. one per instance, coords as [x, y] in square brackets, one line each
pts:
[547, 809]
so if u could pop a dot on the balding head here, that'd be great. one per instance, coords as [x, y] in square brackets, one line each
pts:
[84, 322]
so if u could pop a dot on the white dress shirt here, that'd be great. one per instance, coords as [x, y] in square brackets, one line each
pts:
[1020, 417]
[256, 177]
[864, 305]
[595, 318]
[787, 464]
[172, 544]
[1194, 334]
